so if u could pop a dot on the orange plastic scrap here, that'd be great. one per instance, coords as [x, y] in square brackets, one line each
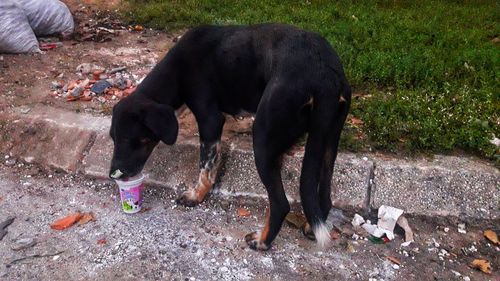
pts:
[66, 222]
[86, 217]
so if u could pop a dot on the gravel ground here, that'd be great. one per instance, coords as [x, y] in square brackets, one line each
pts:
[204, 243]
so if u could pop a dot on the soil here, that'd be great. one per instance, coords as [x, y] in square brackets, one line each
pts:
[138, 51]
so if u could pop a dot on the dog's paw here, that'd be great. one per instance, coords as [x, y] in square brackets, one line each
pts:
[188, 199]
[308, 232]
[254, 242]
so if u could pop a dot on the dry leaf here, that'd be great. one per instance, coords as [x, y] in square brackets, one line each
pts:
[66, 222]
[482, 265]
[86, 217]
[393, 260]
[356, 121]
[296, 220]
[243, 212]
[492, 236]
[101, 241]
[350, 248]
[334, 235]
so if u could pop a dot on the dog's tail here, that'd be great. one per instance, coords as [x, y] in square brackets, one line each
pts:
[325, 110]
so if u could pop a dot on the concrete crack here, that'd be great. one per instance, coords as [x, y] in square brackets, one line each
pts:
[370, 189]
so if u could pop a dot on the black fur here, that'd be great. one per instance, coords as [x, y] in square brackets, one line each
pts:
[292, 79]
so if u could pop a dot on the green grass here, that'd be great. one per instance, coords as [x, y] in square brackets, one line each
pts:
[425, 73]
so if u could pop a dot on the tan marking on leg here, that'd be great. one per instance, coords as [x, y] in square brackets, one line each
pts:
[204, 185]
[206, 179]
[342, 99]
[265, 231]
[181, 110]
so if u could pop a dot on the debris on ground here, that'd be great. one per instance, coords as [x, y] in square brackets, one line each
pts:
[103, 27]
[4, 225]
[467, 251]
[101, 241]
[403, 223]
[145, 209]
[383, 231]
[482, 265]
[23, 243]
[86, 218]
[242, 212]
[50, 46]
[393, 260]
[491, 236]
[34, 256]
[461, 228]
[66, 222]
[102, 85]
[334, 235]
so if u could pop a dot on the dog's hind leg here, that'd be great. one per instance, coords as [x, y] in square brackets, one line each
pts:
[210, 133]
[269, 168]
[325, 183]
[276, 128]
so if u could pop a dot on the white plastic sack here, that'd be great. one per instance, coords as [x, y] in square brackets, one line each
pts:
[47, 17]
[16, 35]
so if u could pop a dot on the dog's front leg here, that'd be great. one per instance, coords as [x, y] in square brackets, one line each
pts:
[209, 165]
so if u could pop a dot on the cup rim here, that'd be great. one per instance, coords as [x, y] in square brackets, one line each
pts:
[132, 181]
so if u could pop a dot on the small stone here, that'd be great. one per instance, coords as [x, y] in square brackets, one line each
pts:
[56, 85]
[395, 266]
[100, 87]
[446, 229]
[23, 243]
[86, 68]
[117, 69]
[461, 228]
[25, 110]
[77, 92]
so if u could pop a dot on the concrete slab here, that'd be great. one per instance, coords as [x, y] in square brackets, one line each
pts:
[47, 136]
[74, 142]
[445, 185]
[349, 183]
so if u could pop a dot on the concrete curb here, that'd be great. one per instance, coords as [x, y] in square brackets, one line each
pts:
[79, 143]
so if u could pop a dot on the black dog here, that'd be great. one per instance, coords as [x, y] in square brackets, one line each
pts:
[292, 79]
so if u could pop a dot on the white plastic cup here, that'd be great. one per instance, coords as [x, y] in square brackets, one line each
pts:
[131, 193]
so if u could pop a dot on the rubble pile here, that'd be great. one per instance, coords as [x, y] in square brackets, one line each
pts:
[95, 83]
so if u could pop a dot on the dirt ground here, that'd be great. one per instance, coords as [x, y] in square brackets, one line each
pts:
[26, 79]
[206, 243]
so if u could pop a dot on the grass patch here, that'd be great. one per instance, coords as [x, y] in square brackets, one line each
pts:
[426, 73]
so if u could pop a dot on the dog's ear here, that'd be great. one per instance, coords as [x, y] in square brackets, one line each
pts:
[161, 120]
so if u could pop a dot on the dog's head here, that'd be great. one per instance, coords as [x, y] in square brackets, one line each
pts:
[137, 125]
